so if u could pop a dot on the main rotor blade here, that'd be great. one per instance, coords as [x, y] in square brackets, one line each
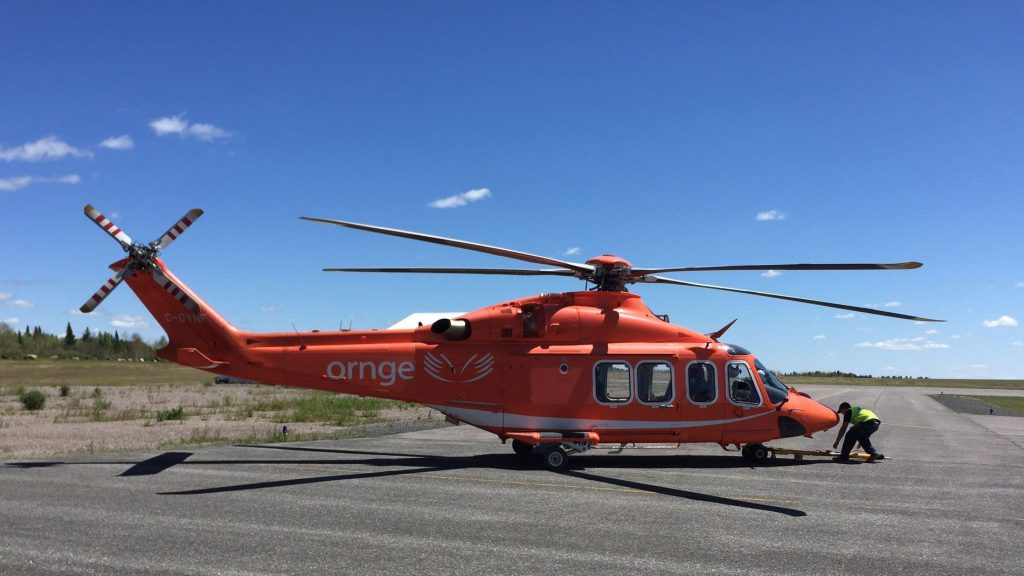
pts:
[179, 227]
[663, 280]
[893, 266]
[502, 271]
[103, 292]
[497, 251]
[107, 226]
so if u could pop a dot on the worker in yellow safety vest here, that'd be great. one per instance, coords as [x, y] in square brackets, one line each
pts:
[865, 423]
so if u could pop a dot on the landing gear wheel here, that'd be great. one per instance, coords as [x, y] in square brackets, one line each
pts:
[554, 458]
[521, 448]
[758, 453]
[745, 452]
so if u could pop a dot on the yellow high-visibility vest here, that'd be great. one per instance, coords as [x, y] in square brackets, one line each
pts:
[862, 415]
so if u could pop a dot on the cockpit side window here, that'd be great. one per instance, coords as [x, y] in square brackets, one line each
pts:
[701, 382]
[742, 389]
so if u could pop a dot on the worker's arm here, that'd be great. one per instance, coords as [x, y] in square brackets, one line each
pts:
[842, 431]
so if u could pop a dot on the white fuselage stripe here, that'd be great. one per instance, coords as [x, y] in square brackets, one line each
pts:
[484, 418]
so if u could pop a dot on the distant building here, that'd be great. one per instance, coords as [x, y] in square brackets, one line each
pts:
[417, 319]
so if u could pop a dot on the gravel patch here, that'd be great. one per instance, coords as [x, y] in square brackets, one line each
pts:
[129, 418]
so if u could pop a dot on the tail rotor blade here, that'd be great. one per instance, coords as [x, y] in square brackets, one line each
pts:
[179, 227]
[103, 292]
[175, 291]
[103, 222]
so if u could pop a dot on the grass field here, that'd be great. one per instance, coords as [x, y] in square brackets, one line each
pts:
[29, 373]
[1014, 403]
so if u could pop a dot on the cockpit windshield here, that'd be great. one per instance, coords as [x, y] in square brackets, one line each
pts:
[777, 391]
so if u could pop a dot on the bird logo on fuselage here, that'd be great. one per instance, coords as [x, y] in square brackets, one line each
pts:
[475, 368]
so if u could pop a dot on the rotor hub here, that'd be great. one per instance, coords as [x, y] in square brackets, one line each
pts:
[611, 273]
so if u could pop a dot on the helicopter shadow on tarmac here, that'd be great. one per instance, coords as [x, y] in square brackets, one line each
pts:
[583, 468]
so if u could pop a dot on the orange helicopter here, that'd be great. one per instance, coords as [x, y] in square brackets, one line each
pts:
[555, 373]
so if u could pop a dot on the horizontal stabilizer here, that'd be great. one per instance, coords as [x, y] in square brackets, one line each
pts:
[196, 359]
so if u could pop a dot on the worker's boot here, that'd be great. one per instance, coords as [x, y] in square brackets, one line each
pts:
[876, 457]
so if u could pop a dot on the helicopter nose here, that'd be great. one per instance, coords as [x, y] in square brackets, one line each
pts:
[801, 416]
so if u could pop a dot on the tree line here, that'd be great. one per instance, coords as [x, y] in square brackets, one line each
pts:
[16, 344]
[838, 374]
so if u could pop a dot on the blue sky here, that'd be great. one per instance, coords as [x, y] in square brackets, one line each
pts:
[871, 131]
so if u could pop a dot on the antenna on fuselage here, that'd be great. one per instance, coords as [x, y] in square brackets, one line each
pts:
[302, 344]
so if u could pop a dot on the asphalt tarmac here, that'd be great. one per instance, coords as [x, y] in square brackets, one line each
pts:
[949, 500]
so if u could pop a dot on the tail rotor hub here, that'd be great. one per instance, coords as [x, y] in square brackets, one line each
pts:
[141, 257]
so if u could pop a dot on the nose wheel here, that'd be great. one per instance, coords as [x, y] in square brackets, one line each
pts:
[756, 454]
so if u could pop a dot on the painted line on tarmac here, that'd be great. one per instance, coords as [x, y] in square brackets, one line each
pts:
[831, 395]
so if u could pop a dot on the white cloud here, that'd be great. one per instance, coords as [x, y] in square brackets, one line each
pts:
[48, 148]
[846, 316]
[18, 182]
[889, 369]
[955, 337]
[574, 251]
[893, 304]
[461, 199]
[123, 142]
[178, 125]
[771, 273]
[128, 321]
[1002, 321]
[770, 215]
[6, 298]
[168, 125]
[1017, 343]
[207, 132]
[932, 331]
[14, 183]
[269, 309]
[818, 337]
[1020, 284]
[977, 366]
[11, 320]
[903, 344]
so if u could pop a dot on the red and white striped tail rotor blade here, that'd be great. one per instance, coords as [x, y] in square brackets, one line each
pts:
[108, 226]
[179, 227]
[103, 292]
[175, 291]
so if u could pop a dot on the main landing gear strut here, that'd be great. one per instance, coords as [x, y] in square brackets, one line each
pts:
[554, 456]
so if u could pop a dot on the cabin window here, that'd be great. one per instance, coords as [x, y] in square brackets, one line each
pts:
[701, 382]
[742, 389]
[612, 382]
[654, 382]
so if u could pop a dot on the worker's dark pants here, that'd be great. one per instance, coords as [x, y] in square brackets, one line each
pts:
[860, 433]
